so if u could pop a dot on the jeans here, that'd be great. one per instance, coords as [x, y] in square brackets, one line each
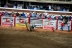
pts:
[62, 28]
[68, 28]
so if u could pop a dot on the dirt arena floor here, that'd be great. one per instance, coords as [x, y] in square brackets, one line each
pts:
[19, 38]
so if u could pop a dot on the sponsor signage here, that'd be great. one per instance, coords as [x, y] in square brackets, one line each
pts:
[20, 22]
[37, 22]
[48, 24]
[6, 21]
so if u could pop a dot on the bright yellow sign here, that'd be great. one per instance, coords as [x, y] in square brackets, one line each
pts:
[20, 25]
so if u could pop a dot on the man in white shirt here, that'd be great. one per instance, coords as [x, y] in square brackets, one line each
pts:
[45, 14]
[19, 6]
[49, 7]
[52, 16]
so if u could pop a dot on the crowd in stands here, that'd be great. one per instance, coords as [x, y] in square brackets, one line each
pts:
[48, 7]
[37, 15]
[38, 7]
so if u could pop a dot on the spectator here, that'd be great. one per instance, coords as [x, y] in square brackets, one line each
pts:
[61, 17]
[52, 17]
[38, 8]
[28, 14]
[41, 7]
[31, 7]
[14, 6]
[5, 13]
[45, 14]
[17, 14]
[19, 6]
[64, 10]
[23, 14]
[58, 8]
[2, 13]
[55, 8]
[38, 15]
[33, 14]
[69, 18]
[12, 14]
[6, 6]
[49, 7]
[35, 8]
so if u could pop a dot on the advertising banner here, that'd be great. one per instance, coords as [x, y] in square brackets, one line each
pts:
[65, 27]
[6, 21]
[20, 21]
[49, 24]
[37, 22]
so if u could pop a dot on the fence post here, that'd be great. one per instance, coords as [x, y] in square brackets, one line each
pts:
[56, 23]
[14, 20]
[0, 18]
[71, 24]
[29, 18]
[42, 19]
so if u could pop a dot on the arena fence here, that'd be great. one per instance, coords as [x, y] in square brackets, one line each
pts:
[42, 23]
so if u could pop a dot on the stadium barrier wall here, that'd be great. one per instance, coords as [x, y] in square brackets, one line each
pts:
[43, 23]
[37, 22]
[6, 21]
[20, 21]
[49, 24]
[71, 24]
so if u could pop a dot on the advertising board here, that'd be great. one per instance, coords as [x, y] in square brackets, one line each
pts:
[6, 21]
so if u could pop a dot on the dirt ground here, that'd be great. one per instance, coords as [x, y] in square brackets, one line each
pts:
[10, 38]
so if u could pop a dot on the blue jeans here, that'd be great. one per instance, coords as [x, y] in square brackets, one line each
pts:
[68, 28]
[62, 28]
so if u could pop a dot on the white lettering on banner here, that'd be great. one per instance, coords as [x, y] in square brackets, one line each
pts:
[21, 20]
[48, 24]
[65, 27]
[37, 22]
[6, 20]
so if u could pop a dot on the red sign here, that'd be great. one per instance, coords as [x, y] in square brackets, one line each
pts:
[7, 20]
[21, 20]
[48, 27]
[5, 24]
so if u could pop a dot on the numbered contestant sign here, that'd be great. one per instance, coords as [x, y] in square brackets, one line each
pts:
[20, 22]
[6, 21]
[49, 24]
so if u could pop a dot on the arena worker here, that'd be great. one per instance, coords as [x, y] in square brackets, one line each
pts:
[68, 24]
[62, 25]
